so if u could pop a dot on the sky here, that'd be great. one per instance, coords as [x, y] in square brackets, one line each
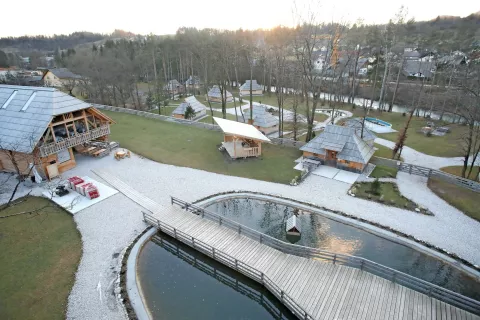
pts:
[165, 17]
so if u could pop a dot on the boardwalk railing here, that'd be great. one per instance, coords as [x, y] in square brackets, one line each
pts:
[427, 172]
[395, 276]
[231, 262]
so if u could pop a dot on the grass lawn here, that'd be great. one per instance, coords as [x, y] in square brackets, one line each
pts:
[193, 147]
[463, 199]
[38, 260]
[457, 171]
[446, 146]
[208, 118]
[383, 172]
[390, 193]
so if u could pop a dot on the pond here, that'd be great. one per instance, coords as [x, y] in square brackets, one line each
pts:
[317, 231]
[179, 282]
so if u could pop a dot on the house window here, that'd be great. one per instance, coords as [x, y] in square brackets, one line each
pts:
[347, 162]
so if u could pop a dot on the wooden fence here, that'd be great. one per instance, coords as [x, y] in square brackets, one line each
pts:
[427, 172]
[395, 276]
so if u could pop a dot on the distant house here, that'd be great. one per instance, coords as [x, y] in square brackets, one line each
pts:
[174, 87]
[193, 82]
[262, 119]
[199, 109]
[411, 54]
[214, 95]
[59, 77]
[257, 90]
[341, 147]
[419, 69]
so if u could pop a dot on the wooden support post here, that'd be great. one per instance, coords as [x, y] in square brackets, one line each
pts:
[213, 253]
[175, 233]
[239, 229]
[281, 295]
[334, 259]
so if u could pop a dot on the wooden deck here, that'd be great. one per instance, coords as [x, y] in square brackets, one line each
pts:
[236, 150]
[312, 289]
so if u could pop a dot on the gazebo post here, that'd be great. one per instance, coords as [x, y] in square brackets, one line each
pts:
[234, 147]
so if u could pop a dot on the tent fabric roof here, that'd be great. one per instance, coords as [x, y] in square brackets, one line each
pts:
[240, 129]
[344, 140]
[263, 118]
[214, 92]
[20, 130]
[255, 85]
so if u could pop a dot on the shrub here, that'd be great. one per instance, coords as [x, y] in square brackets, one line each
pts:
[376, 187]
[429, 133]
[404, 114]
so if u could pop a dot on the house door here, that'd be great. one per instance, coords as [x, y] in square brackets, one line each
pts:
[331, 158]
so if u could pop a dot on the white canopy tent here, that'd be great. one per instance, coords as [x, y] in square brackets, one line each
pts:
[241, 140]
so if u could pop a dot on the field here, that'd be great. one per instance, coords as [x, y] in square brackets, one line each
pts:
[465, 200]
[38, 262]
[457, 171]
[390, 193]
[193, 147]
[446, 146]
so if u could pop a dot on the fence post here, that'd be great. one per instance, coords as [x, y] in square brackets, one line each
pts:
[361, 265]
[410, 170]
[239, 229]
[261, 238]
[158, 223]
[335, 259]
[220, 221]
[203, 213]
[429, 173]
[171, 200]
[394, 276]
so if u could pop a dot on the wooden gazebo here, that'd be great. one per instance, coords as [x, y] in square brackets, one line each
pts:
[241, 140]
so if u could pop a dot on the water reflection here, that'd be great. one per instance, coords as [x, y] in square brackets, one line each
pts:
[323, 233]
[181, 283]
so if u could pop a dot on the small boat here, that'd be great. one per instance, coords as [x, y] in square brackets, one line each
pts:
[292, 226]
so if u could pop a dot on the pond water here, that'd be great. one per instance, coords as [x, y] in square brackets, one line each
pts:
[320, 232]
[179, 282]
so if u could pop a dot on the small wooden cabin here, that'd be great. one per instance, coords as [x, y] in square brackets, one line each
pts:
[262, 119]
[199, 109]
[342, 147]
[241, 140]
[41, 126]
[257, 90]
[214, 95]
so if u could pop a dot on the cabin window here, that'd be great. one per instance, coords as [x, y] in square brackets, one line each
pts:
[29, 101]
[5, 105]
[347, 162]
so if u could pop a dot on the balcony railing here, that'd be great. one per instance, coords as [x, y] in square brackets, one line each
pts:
[51, 148]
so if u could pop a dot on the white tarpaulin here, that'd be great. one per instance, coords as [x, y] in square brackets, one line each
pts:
[240, 129]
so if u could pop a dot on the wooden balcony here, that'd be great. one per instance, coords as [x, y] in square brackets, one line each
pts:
[51, 148]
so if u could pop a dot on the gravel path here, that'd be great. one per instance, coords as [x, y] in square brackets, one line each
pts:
[421, 159]
[159, 181]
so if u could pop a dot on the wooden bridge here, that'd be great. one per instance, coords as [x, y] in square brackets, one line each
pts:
[312, 283]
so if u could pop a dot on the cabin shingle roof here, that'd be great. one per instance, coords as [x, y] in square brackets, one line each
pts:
[345, 141]
[214, 92]
[64, 73]
[20, 130]
[262, 118]
[255, 85]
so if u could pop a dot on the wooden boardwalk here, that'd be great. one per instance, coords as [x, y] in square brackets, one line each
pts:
[323, 290]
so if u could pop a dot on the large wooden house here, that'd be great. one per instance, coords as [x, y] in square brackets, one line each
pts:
[342, 147]
[41, 126]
